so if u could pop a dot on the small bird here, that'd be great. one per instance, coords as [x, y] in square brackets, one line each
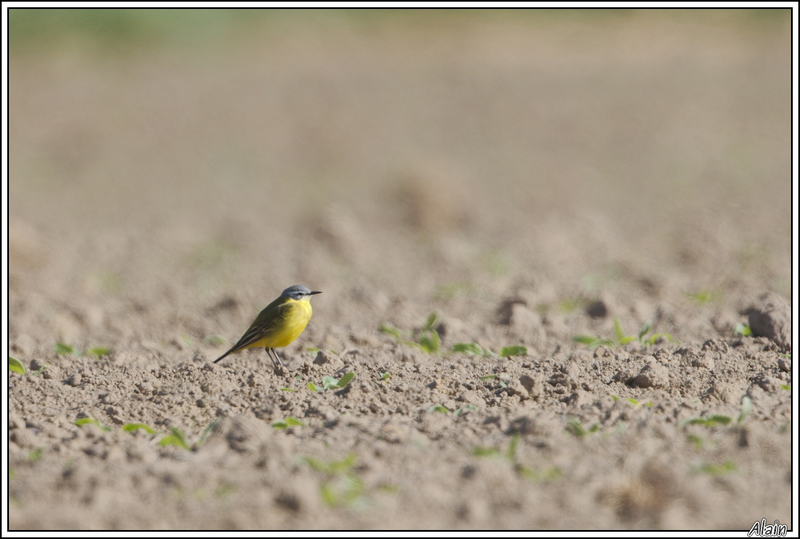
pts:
[279, 324]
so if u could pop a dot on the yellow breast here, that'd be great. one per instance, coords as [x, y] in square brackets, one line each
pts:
[294, 320]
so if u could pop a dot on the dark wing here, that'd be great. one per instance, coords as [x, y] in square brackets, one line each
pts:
[262, 326]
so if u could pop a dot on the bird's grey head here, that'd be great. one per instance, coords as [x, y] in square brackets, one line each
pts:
[298, 292]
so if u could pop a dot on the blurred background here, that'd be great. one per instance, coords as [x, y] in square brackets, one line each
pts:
[399, 160]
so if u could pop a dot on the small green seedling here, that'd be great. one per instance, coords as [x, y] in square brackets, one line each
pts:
[176, 437]
[704, 297]
[465, 409]
[313, 350]
[576, 428]
[224, 490]
[725, 468]
[216, 340]
[472, 349]
[288, 389]
[592, 342]
[633, 401]
[329, 382]
[508, 351]
[389, 488]
[438, 408]
[385, 376]
[495, 377]
[35, 455]
[480, 451]
[548, 474]
[206, 432]
[511, 452]
[787, 387]
[432, 322]
[89, 420]
[40, 370]
[469, 348]
[332, 383]
[430, 342]
[720, 420]
[393, 331]
[288, 422]
[621, 339]
[532, 474]
[511, 455]
[428, 336]
[346, 379]
[743, 330]
[569, 304]
[64, 349]
[15, 365]
[747, 408]
[334, 467]
[427, 339]
[654, 337]
[343, 488]
[625, 339]
[345, 491]
[710, 421]
[133, 427]
[697, 441]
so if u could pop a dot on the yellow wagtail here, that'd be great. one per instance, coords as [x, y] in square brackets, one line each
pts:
[279, 324]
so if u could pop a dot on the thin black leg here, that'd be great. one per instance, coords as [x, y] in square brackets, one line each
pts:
[273, 355]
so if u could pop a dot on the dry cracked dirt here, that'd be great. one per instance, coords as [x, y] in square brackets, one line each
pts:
[528, 178]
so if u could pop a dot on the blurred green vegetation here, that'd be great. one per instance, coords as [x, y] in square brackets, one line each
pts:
[40, 29]
[31, 29]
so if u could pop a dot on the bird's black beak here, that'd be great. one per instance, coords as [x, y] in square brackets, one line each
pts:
[315, 292]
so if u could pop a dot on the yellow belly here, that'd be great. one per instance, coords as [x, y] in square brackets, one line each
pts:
[292, 324]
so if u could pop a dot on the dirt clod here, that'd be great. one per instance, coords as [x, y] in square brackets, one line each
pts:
[652, 375]
[772, 318]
